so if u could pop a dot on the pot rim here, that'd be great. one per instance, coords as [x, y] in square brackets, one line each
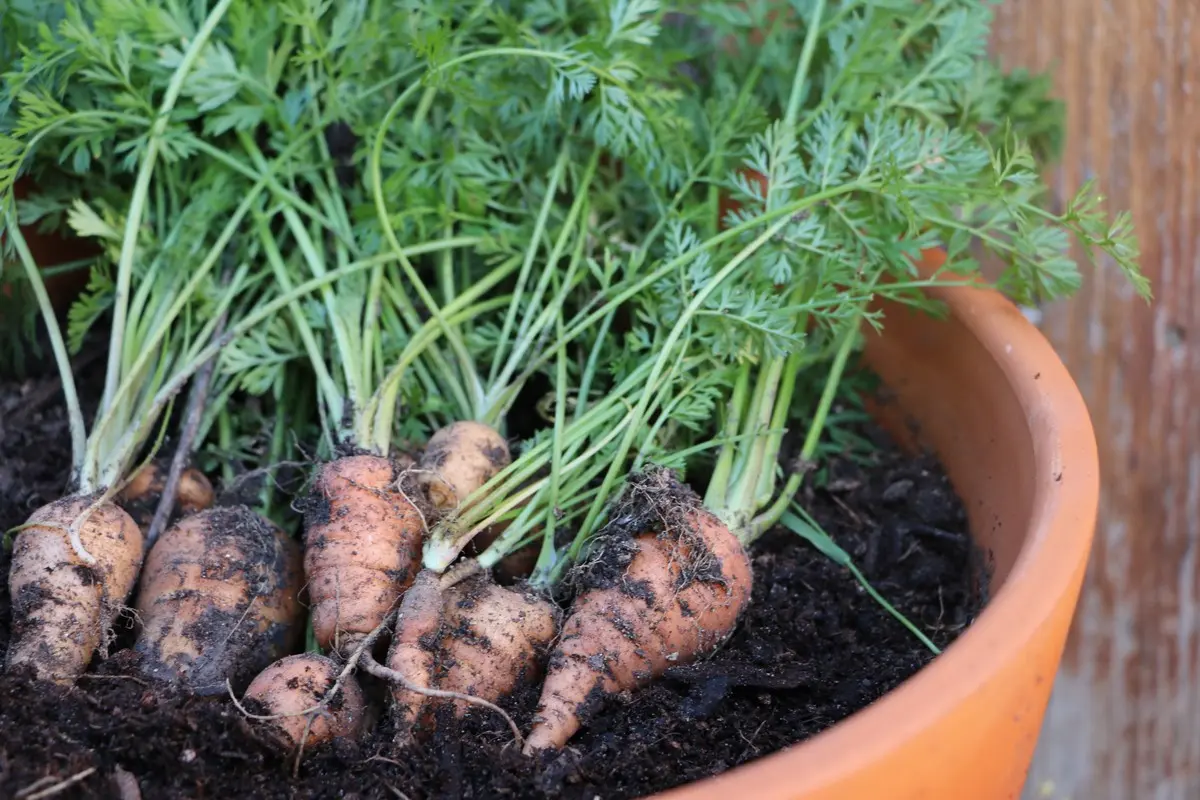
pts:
[1053, 554]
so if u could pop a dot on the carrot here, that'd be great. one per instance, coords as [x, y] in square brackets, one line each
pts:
[460, 458]
[63, 607]
[674, 595]
[470, 638]
[414, 641]
[495, 638]
[361, 548]
[467, 637]
[219, 600]
[300, 705]
[142, 493]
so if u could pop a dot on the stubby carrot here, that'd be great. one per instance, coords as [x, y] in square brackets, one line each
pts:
[63, 607]
[678, 596]
[471, 638]
[296, 695]
[219, 600]
[361, 549]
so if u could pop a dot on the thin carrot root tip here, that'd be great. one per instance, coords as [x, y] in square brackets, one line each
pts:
[474, 639]
[649, 600]
[460, 458]
[361, 550]
[63, 609]
[219, 600]
[296, 695]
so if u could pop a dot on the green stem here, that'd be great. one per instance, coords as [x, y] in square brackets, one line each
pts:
[61, 358]
[467, 365]
[545, 557]
[440, 553]
[716, 496]
[602, 416]
[681, 325]
[380, 409]
[632, 288]
[801, 76]
[535, 241]
[763, 522]
[180, 377]
[332, 396]
[137, 202]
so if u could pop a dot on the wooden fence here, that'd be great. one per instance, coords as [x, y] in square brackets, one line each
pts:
[1124, 723]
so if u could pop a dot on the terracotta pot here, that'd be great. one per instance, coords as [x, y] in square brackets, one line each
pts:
[988, 394]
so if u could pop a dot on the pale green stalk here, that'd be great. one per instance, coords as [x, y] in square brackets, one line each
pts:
[62, 360]
[642, 409]
[137, 203]
[535, 241]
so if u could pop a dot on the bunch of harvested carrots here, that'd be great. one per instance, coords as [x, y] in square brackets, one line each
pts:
[536, 290]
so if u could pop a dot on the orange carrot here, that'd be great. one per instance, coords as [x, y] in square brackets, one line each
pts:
[64, 608]
[361, 550]
[460, 458]
[471, 638]
[418, 628]
[141, 495]
[297, 692]
[219, 600]
[678, 597]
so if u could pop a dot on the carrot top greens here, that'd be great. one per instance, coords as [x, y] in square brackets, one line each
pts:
[666, 215]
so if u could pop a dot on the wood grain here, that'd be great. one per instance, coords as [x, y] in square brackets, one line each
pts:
[1124, 722]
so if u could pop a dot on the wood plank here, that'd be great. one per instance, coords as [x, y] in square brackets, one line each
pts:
[1124, 722]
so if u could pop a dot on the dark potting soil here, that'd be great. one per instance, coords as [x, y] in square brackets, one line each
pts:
[812, 649]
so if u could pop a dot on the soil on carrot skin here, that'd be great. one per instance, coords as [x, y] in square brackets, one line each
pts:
[812, 648]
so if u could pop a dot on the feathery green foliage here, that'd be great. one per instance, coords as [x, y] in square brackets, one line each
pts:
[675, 215]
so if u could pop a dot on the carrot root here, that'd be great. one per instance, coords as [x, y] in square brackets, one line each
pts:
[142, 493]
[219, 600]
[412, 656]
[678, 598]
[469, 643]
[458, 459]
[303, 708]
[361, 550]
[63, 608]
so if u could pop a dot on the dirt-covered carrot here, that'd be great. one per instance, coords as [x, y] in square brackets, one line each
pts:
[64, 607]
[362, 547]
[219, 600]
[413, 652]
[458, 459]
[470, 638]
[668, 576]
[655, 598]
[76, 560]
[494, 638]
[296, 701]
